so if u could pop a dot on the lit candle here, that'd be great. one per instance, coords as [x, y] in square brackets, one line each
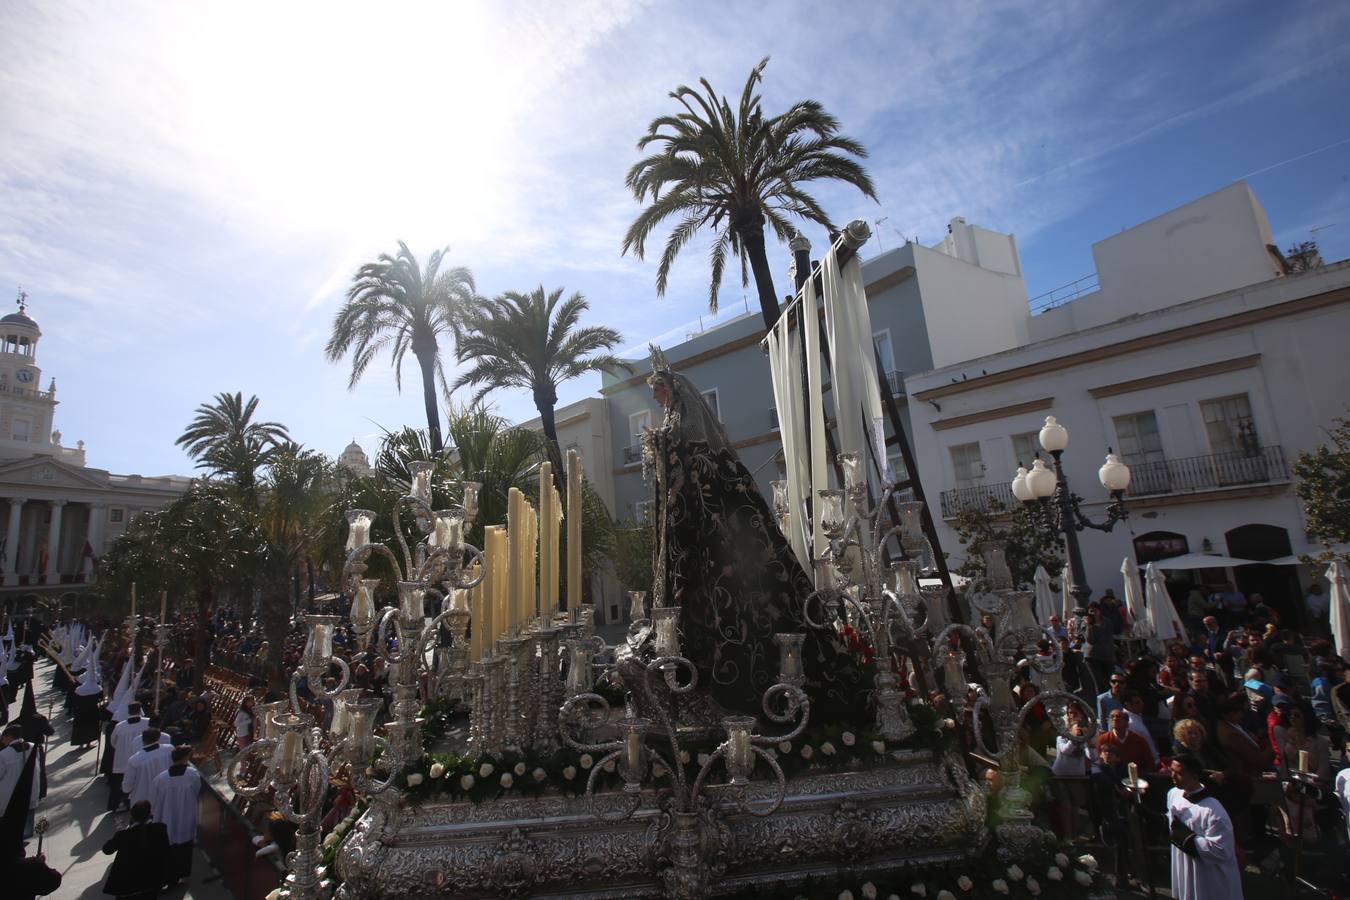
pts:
[1134, 774]
[851, 464]
[574, 504]
[1303, 761]
[515, 541]
[502, 613]
[476, 623]
[290, 750]
[545, 535]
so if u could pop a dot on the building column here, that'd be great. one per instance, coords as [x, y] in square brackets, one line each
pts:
[52, 575]
[12, 539]
[94, 534]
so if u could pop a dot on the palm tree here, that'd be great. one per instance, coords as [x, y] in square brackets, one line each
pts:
[224, 439]
[532, 341]
[394, 303]
[734, 170]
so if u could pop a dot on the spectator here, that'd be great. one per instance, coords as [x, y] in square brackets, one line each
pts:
[1099, 646]
[1317, 604]
[1131, 747]
[1134, 709]
[1109, 699]
[243, 724]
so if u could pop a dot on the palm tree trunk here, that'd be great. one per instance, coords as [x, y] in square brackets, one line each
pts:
[205, 607]
[426, 359]
[548, 422]
[751, 234]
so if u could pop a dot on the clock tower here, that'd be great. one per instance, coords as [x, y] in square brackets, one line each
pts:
[25, 409]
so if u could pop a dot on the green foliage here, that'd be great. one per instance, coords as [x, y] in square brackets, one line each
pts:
[635, 546]
[1323, 475]
[224, 439]
[1030, 543]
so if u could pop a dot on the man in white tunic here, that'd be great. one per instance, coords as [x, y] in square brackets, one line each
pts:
[145, 765]
[173, 801]
[1204, 851]
[126, 742]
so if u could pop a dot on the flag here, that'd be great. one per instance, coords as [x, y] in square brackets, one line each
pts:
[41, 560]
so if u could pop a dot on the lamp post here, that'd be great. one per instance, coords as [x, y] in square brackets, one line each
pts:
[1037, 486]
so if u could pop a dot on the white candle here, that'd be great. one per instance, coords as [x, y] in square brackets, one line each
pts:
[574, 503]
[545, 535]
[1303, 761]
[290, 749]
[1134, 774]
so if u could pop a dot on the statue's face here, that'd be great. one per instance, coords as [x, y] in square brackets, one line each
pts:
[661, 391]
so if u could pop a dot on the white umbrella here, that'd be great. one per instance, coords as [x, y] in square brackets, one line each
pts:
[1162, 615]
[1340, 606]
[1134, 599]
[1045, 598]
[1204, 561]
[1066, 588]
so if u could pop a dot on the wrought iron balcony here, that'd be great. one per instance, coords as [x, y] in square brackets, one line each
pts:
[1193, 474]
[632, 454]
[981, 498]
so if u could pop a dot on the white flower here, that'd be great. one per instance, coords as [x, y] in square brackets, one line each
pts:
[1034, 887]
[1054, 874]
[570, 772]
[1082, 877]
[539, 774]
[869, 890]
[610, 766]
[1000, 885]
[1014, 873]
[485, 770]
[915, 702]
[945, 895]
[845, 895]
[1088, 861]
[948, 724]
[520, 769]
[807, 751]
[964, 883]
[785, 746]
[827, 748]
[330, 841]
[466, 782]
[703, 759]
[586, 761]
[848, 738]
[918, 889]
[507, 780]
[684, 757]
[879, 747]
[274, 894]
[414, 779]
[1061, 860]
[437, 770]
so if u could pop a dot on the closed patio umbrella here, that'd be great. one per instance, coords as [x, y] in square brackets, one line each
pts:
[1162, 615]
[1045, 597]
[1066, 588]
[1134, 599]
[1340, 606]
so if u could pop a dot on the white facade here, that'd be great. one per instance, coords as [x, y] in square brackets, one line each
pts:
[1208, 388]
[57, 515]
[354, 460]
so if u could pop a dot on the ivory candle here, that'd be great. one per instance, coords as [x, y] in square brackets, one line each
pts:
[515, 534]
[574, 503]
[554, 526]
[475, 623]
[501, 575]
[1303, 761]
[290, 749]
[545, 539]
[1134, 774]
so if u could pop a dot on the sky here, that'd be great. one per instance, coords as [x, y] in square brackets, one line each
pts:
[187, 189]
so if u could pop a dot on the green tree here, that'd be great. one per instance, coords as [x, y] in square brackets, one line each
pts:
[1029, 543]
[224, 439]
[397, 305]
[734, 170]
[1323, 475]
[635, 546]
[533, 342]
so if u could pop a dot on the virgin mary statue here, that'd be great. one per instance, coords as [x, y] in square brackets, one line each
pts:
[722, 560]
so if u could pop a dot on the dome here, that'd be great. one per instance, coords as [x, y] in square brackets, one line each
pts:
[20, 318]
[353, 447]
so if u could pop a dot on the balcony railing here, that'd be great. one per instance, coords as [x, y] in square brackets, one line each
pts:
[632, 454]
[981, 497]
[1193, 474]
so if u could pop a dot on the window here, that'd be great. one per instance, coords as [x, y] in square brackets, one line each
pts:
[1025, 447]
[710, 398]
[116, 515]
[642, 512]
[19, 430]
[1229, 426]
[968, 465]
[882, 341]
[1139, 439]
[636, 423]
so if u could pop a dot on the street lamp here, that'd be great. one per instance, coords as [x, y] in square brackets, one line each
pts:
[1036, 486]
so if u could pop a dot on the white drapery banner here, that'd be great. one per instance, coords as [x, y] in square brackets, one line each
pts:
[857, 395]
[785, 362]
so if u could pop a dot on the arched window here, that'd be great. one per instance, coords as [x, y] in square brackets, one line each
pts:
[1158, 545]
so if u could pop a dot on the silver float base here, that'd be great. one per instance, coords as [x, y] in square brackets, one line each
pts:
[917, 810]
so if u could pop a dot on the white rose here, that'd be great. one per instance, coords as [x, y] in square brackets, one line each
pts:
[1034, 887]
[437, 770]
[785, 746]
[570, 772]
[1061, 860]
[466, 782]
[586, 761]
[684, 757]
[507, 780]
[964, 883]
[330, 841]
[1082, 877]
[414, 779]
[610, 766]
[869, 890]
[945, 895]
[485, 770]
[520, 769]
[1000, 885]
[1014, 873]
[703, 759]
[539, 774]
[915, 702]
[948, 724]
[918, 889]
[845, 895]
[1088, 861]
[274, 894]
[879, 747]
[1054, 874]
[827, 748]
[807, 752]
[848, 738]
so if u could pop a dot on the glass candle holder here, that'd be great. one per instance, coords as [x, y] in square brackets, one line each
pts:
[410, 600]
[905, 579]
[361, 727]
[780, 496]
[790, 658]
[996, 569]
[851, 465]
[830, 509]
[421, 470]
[665, 620]
[265, 713]
[1021, 618]
[338, 727]
[580, 675]
[319, 645]
[911, 523]
[358, 528]
[363, 608]
[637, 605]
[287, 757]
[739, 756]
[633, 760]
[471, 489]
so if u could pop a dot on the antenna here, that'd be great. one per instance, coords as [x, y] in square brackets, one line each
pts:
[877, 231]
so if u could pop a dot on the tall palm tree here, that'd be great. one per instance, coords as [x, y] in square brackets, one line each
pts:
[733, 170]
[532, 341]
[396, 304]
[224, 439]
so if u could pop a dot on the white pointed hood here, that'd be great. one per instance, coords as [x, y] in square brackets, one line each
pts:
[121, 696]
[89, 684]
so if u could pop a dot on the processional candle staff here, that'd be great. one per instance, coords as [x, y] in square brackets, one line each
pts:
[574, 513]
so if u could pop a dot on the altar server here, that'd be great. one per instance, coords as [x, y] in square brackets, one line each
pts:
[1204, 851]
[173, 798]
[145, 765]
[126, 741]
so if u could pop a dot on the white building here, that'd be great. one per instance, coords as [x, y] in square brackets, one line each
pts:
[1197, 358]
[354, 460]
[59, 514]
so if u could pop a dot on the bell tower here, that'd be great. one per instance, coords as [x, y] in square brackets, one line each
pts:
[26, 410]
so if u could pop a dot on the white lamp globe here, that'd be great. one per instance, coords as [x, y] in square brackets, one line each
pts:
[1020, 489]
[1114, 474]
[1041, 480]
[1054, 436]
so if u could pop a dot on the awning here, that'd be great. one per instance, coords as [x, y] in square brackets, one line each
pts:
[1202, 561]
